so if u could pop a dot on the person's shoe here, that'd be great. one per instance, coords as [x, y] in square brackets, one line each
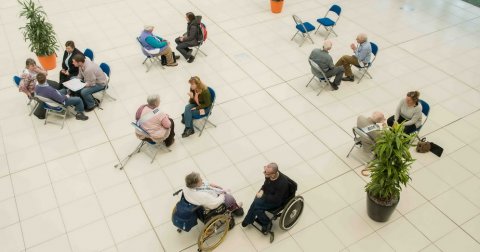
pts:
[90, 109]
[81, 116]
[170, 143]
[183, 119]
[348, 78]
[177, 57]
[191, 59]
[334, 87]
[244, 224]
[97, 101]
[172, 64]
[238, 212]
[188, 132]
[267, 228]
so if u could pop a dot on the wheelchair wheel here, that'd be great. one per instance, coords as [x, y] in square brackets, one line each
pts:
[213, 233]
[291, 213]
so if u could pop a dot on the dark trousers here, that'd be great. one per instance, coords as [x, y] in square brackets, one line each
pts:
[337, 72]
[54, 84]
[63, 78]
[257, 209]
[409, 129]
[183, 47]
[169, 140]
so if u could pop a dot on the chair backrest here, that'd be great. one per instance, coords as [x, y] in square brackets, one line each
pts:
[140, 130]
[336, 9]
[88, 53]
[17, 80]
[212, 95]
[362, 136]
[297, 20]
[316, 67]
[425, 112]
[106, 69]
[144, 51]
[49, 102]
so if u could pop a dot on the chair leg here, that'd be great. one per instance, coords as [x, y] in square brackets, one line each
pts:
[303, 40]
[202, 52]
[308, 35]
[34, 108]
[322, 87]
[145, 60]
[317, 29]
[46, 116]
[294, 35]
[351, 149]
[310, 81]
[124, 161]
[64, 117]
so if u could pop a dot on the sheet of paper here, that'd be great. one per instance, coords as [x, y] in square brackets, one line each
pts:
[74, 84]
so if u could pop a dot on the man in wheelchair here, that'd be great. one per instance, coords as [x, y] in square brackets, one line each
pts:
[273, 195]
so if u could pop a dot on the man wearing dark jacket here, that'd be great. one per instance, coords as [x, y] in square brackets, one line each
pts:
[272, 195]
[190, 38]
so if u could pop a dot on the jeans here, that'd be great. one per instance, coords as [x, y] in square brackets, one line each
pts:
[87, 92]
[189, 113]
[257, 209]
[409, 129]
[73, 101]
[182, 47]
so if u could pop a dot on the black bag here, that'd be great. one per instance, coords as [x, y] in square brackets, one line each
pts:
[40, 110]
[164, 59]
[423, 146]
[184, 216]
[435, 149]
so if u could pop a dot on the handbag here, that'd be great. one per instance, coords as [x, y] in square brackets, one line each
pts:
[435, 149]
[423, 146]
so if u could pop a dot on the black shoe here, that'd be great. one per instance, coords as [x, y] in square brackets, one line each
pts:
[170, 143]
[348, 78]
[191, 59]
[97, 101]
[81, 116]
[90, 109]
[238, 212]
[177, 57]
[183, 119]
[188, 132]
[267, 228]
[244, 224]
[334, 87]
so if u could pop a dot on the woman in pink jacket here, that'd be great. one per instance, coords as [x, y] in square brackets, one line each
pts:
[157, 123]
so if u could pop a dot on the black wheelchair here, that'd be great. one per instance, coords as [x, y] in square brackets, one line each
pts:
[217, 223]
[287, 214]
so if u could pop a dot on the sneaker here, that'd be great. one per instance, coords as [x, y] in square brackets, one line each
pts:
[90, 109]
[244, 224]
[188, 132]
[183, 119]
[334, 87]
[81, 116]
[267, 228]
[238, 212]
[172, 64]
[177, 57]
[348, 78]
[170, 144]
[191, 59]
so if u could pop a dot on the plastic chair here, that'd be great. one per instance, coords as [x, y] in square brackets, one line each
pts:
[425, 112]
[88, 53]
[106, 69]
[304, 28]
[327, 22]
[159, 146]
[53, 108]
[207, 115]
[323, 79]
[359, 139]
[365, 68]
[150, 57]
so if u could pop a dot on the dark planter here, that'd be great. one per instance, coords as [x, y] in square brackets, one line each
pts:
[378, 212]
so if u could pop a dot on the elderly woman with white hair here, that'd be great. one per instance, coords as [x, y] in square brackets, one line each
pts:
[362, 54]
[325, 63]
[373, 126]
[155, 122]
[156, 45]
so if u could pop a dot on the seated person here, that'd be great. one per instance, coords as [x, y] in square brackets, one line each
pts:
[199, 104]
[94, 78]
[208, 195]
[28, 78]
[68, 69]
[271, 196]
[156, 45]
[325, 62]
[158, 125]
[191, 37]
[370, 126]
[361, 58]
[409, 111]
[44, 90]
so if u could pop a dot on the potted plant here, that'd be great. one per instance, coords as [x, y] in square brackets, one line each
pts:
[40, 33]
[389, 170]
[276, 6]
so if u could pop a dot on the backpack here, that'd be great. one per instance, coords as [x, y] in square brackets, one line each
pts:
[184, 215]
[202, 34]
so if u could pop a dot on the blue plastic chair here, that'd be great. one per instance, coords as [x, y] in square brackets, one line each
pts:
[207, 115]
[150, 57]
[141, 131]
[106, 69]
[53, 108]
[17, 80]
[88, 53]
[365, 68]
[329, 23]
[303, 28]
[425, 112]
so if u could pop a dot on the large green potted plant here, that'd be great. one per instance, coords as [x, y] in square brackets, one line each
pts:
[389, 171]
[40, 33]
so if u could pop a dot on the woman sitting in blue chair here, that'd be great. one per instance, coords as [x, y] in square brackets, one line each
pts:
[198, 105]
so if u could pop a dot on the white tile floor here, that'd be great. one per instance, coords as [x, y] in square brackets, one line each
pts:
[59, 190]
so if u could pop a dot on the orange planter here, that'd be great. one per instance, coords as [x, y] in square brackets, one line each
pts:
[48, 62]
[276, 6]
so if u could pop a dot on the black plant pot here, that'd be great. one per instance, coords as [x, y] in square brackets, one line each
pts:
[378, 212]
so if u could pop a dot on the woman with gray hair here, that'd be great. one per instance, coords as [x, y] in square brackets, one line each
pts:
[156, 45]
[158, 124]
[208, 195]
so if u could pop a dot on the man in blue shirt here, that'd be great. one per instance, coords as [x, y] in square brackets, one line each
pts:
[44, 90]
[361, 58]
[156, 45]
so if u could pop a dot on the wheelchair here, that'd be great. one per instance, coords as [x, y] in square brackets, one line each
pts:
[217, 223]
[288, 214]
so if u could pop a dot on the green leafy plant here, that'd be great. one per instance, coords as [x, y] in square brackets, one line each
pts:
[389, 170]
[38, 31]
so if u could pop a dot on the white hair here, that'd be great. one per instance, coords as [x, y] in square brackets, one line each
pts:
[327, 45]
[362, 36]
[148, 27]
[378, 117]
[152, 99]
